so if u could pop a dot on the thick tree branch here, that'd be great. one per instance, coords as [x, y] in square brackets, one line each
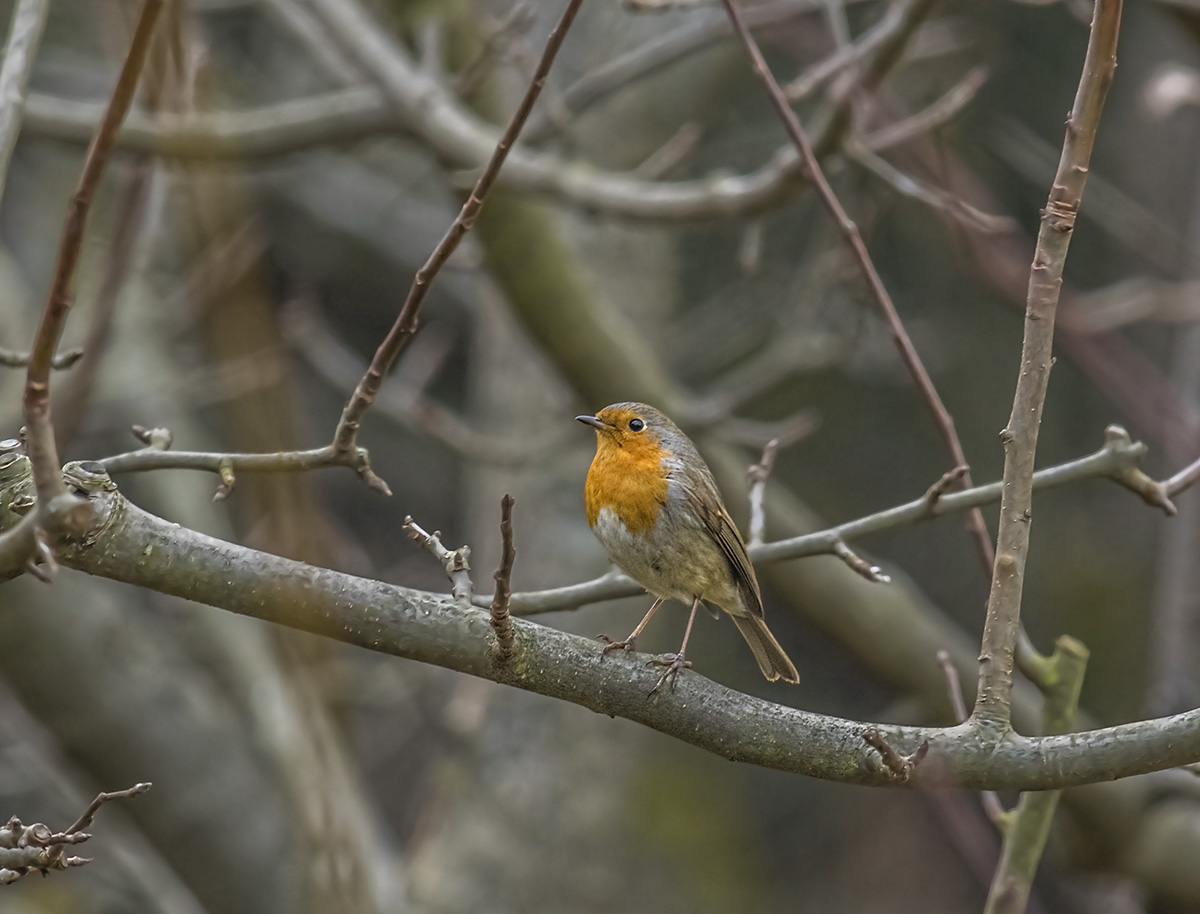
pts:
[1002, 625]
[127, 544]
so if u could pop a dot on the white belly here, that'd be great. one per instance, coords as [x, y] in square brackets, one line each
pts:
[664, 565]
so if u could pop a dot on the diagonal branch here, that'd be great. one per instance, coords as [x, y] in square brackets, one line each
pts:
[41, 447]
[849, 229]
[128, 544]
[346, 434]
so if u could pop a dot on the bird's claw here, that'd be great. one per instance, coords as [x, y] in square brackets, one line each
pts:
[609, 645]
[675, 664]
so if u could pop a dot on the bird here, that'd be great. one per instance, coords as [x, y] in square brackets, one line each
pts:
[652, 502]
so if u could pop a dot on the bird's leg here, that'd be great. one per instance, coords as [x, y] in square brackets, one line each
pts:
[677, 663]
[628, 643]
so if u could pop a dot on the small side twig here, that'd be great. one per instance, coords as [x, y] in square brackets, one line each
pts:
[346, 433]
[455, 561]
[989, 798]
[1183, 479]
[158, 439]
[89, 814]
[950, 481]
[929, 118]
[29, 848]
[759, 472]
[501, 620]
[934, 197]
[858, 564]
[12, 359]
[899, 767]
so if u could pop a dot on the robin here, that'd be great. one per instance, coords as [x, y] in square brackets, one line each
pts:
[652, 502]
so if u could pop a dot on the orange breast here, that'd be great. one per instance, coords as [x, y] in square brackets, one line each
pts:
[628, 480]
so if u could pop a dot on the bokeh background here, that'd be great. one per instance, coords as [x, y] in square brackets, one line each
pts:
[234, 287]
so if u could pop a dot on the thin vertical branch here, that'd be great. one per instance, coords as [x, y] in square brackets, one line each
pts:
[164, 83]
[989, 799]
[43, 452]
[346, 434]
[501, 620]
[24, 36]
[759, 473]
[993, 703]
[908, 352]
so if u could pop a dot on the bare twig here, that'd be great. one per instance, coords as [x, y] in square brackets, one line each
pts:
[89, 814]
[898, 767]
[949, 481]
[932, 116]
[346, 433]
[671, 153]
[1001, 627]
[35, 848]
[11, 359]
[908, 352]
[24, 36]
[455, 561]
[501, 620]
[858, 564]
[847, 54]
[990, 800]
[905, 184]
[40, 442]
[1184, 479]
[759, 472]
[155, 458]
[157, 455]
[402, 400]
[953, 687]
[136, 210]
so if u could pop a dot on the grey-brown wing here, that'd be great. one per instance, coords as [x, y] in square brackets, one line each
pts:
[706, 502]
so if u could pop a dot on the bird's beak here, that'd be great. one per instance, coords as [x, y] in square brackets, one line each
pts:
[594, 421]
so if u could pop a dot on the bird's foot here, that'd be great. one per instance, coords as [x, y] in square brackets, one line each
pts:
[609, 645]
[675, 664]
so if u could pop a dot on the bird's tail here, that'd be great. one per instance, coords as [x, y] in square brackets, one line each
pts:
[771, 658]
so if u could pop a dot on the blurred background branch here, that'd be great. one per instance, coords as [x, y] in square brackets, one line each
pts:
[293, 158]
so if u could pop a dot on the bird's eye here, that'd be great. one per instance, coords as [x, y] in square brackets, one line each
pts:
[636, 425]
